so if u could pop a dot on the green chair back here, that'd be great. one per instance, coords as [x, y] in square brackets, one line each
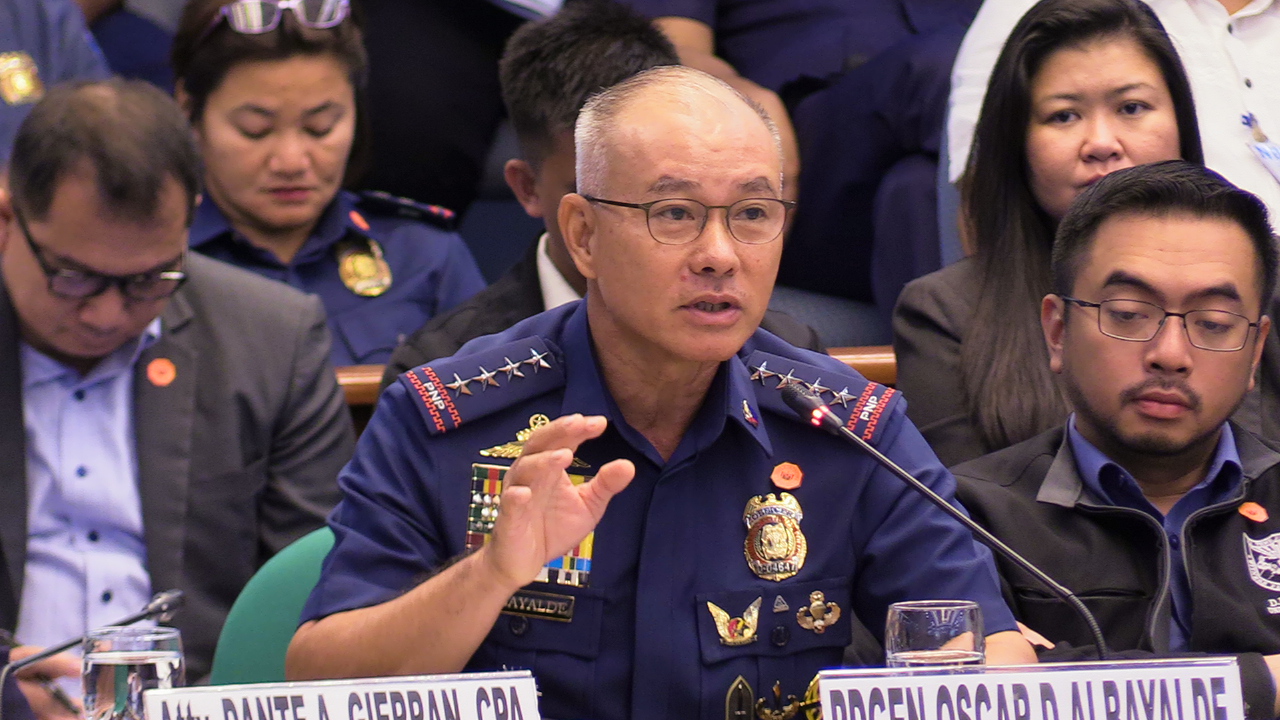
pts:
[261, 623]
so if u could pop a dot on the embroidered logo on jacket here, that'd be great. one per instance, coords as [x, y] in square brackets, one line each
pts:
[1263, 558]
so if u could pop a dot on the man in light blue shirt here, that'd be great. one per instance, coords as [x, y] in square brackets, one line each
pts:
[167, 421]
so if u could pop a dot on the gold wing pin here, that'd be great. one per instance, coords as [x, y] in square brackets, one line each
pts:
[513, 450]
[736, 631]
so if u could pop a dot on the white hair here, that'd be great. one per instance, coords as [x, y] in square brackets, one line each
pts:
[595, 123]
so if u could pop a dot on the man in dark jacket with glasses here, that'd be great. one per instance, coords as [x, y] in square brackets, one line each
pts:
[1149, 504]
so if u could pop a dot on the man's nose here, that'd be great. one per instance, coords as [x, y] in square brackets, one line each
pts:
[1170, 350]
[105, 311]
[715, 251]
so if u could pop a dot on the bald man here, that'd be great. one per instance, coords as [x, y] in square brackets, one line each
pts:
[671, 541]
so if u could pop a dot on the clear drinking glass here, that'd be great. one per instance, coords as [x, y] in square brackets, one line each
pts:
[934, 632]
[121, 662]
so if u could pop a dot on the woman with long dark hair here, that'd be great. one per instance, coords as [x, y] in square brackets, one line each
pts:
[1082, 88]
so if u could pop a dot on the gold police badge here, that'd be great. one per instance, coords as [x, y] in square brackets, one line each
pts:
[362, 268]
[775, 546]
[19, 79]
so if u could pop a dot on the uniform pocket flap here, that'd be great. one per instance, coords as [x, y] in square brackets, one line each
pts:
[552, 618]
[774, 620]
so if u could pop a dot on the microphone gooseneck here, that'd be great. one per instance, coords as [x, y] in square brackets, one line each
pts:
[811, 408]
[162, 607]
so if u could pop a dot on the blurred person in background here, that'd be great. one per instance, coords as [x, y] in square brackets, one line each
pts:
[1093, 86]
[273, 95]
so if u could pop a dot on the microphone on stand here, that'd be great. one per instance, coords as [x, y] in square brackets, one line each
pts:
[162, 607]
[811, 408]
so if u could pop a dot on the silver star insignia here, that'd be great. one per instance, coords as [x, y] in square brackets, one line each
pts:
[511, 368]
[788, 379]
[459, 386]
[843, 397]
[762, 373]
[485, 378]
[816, 388]
[536, 360]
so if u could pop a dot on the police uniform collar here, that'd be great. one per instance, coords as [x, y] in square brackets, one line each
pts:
[585, 393]
[211, 225]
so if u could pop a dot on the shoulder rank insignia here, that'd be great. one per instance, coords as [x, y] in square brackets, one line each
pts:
[19, 79]
[378, 202]
[775, 547]
[860, 403]
[736, 630]
[464, 388]
[362, 267]
[512, 450]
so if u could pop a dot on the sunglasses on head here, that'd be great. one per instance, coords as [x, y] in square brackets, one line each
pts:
[254, 17]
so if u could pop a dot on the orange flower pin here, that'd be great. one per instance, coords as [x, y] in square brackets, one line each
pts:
[787, 476]
[161, 372]
[1254, 512]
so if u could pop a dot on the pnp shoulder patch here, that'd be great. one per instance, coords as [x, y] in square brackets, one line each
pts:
[862, 405]
[454, 390]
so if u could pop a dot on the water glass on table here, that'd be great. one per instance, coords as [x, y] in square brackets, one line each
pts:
[121, 662]
[934, 633]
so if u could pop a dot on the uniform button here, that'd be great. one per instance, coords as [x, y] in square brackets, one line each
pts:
[78, 395]
[1174, 541]
[82, 471]
[1248, 83]
[106, 597]
[93, 536]
[519, 625]
[781, 635]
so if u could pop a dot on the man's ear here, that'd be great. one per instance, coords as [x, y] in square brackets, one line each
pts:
[1053, 322]
[578, 227]
[522, 179]
[1264, 329]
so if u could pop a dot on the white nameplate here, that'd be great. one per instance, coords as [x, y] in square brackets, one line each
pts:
[1180, 689]
[465, 696]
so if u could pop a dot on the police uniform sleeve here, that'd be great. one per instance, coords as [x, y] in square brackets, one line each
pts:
[917, 551]
[78, 56]
[388, 529]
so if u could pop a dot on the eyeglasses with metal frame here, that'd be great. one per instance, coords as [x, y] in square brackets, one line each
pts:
[677, 221]
[255, 17]
[1138, 321]
[72, 284]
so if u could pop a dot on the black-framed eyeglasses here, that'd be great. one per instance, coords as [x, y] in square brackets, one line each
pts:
[1138, 321]
[676, 221]
[84, 284]
[255, 17]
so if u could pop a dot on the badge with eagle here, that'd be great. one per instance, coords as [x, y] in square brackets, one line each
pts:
[1263, 559]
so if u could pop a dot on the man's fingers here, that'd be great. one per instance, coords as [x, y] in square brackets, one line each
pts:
[613, 478]
[567, 432]
[60, 665]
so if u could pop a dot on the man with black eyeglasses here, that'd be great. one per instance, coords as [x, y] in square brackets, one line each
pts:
[168, 421]
[1149, 503]
[671, 540]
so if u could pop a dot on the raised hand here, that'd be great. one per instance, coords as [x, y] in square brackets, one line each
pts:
[543, 513]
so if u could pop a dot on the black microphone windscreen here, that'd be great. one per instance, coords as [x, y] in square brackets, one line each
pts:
[798, 398]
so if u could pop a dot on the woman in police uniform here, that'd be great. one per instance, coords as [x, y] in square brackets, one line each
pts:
[272, 89]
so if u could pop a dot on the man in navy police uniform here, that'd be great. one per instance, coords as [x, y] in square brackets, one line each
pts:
[720, 545]
[42, 43]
